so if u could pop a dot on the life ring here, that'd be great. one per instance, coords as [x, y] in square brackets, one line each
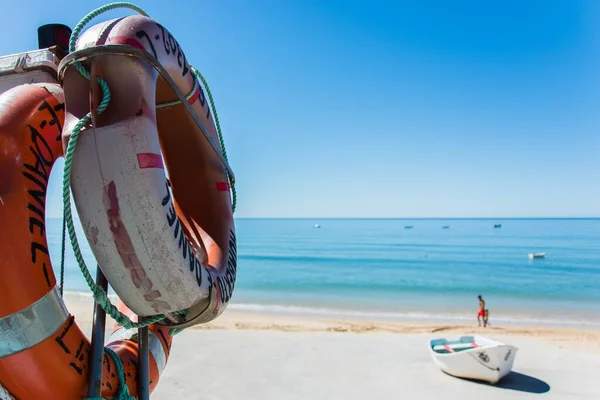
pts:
[160, 252]
[43, 353]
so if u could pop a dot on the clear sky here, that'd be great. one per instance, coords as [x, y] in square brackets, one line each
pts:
[387, 108]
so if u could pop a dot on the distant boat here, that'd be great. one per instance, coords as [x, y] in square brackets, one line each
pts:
[536, 255]
[473, 357]
[445, 227]
[408, 227]
[317, 226]
[497, 225]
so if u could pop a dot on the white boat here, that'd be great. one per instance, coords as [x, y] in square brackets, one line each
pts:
[317, 226]
[473, 357]
[537, 255]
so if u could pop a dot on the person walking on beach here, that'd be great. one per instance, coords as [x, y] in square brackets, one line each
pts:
[481, 313]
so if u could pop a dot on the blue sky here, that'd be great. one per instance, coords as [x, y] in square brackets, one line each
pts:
[387, 109]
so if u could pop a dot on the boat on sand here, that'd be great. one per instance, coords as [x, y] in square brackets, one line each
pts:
[473, 357]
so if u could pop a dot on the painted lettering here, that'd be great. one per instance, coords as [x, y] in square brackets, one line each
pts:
[178, 233]
[110, 373]
[42, 154]
[226, 281]
[55, 120]
[183, 245]
[61, 336]
[78, 361]
[36, 210]
[198, 272]
[131, 364]
[37, 174]
[39, 247]
[173, 49]
[36, 222]
[46, 275]
[171, 216]
[106, 362]
[203, 102]
[141, 35]
[192, 260]
[177, 227]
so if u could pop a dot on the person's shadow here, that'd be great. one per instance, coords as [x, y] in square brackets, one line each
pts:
[519, 382]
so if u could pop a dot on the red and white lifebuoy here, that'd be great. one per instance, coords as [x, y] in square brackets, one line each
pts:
[43, 352]
[161, 250]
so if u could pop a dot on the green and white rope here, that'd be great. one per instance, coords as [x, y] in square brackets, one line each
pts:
[221, 141]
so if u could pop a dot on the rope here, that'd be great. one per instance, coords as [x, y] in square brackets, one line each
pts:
[199, 76]
[62, 258]
[221, 141]
[175, 102]
[123, 393]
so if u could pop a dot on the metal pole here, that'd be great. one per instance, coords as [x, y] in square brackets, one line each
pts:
[96, 361]
[95, 377]
[143, 364]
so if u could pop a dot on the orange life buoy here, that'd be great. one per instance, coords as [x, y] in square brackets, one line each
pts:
[43, 353]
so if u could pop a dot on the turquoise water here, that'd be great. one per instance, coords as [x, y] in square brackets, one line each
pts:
[379, 269]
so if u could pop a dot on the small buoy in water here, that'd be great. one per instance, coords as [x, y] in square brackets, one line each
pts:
[317, 226]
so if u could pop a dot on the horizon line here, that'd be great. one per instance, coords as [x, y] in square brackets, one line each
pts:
[421, 218]
[404, 218]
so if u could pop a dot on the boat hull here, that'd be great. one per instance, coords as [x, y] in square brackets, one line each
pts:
[490, 361]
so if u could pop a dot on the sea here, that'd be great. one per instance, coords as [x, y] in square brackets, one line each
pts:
[421, 270]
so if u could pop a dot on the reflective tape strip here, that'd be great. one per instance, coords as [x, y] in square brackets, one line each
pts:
[158, 352]
[33, 324]
[154, 345]
[4, 395]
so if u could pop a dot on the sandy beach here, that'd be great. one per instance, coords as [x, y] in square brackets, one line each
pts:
[264, 356]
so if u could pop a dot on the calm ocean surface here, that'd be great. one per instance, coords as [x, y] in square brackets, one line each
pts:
[378, 269]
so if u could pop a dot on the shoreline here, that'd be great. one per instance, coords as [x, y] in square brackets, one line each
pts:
[424, 315]
[233, 320]
[505, 318]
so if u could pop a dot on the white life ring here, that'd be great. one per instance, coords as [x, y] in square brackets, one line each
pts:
[160, 251]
